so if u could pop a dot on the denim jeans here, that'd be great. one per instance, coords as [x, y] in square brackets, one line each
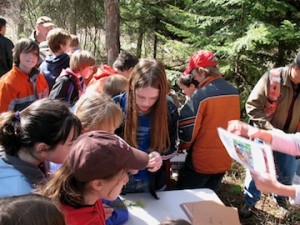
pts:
[190, 179]
[135, 186]
[285, 169]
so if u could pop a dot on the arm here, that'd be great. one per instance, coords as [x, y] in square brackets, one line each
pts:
[60, 88]
[7, 95]
[267, 184]
[255, 105]
[188, 125]
[282, 142]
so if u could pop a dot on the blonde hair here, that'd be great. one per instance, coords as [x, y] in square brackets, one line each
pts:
[115, 85]
[81, 59]
[149, 73]
[96, 109]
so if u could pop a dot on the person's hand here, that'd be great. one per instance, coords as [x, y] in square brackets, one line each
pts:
[155, 161]
[238, 127]
[107, 211]
[265, 182]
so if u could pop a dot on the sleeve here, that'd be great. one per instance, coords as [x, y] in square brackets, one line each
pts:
[173, 126]
[286, 143]
[7, 95]
[60, 88]
[120, 214]
[255, 104]
[190, 122]
[9, 55]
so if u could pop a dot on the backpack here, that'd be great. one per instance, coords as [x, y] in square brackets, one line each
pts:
[273, 90]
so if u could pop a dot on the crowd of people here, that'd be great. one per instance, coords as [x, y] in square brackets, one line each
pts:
[75, 135]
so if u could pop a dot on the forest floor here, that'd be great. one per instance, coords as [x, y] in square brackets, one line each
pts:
[266, 211]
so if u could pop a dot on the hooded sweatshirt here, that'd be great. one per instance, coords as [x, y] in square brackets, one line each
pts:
[52, 67]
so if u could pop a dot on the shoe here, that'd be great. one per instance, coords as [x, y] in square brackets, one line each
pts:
[245, 211]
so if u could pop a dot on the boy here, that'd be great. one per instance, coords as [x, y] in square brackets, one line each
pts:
[59, 42]
[70, 84]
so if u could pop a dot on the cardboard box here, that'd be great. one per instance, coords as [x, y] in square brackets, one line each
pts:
[210, 213]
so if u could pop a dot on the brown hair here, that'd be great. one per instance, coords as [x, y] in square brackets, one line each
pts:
[24, 45]
[115, 85]
[149, 73]
[30, 210]
[57, 37]
[81, 59]
[64, 188]
[95, 109]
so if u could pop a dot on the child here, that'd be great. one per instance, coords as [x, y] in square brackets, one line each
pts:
[115, 85]
[30, 210]
[188, 84]
[95, 169]
[100, 112]
[23, 84]
[59, 42]
[70, 84]
[74, 44]
[150, 121]
[44, 131]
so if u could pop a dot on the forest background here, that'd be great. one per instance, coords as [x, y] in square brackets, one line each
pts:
[247, 36]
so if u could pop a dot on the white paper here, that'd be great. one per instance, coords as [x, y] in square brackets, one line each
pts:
[251, 154]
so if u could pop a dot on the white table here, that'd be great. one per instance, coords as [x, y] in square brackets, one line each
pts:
[167, 207]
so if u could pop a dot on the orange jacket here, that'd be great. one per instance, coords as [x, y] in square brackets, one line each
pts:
[18, 90]
[97, 82]
[211, 106]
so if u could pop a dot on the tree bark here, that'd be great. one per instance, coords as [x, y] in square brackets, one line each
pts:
[112, 29]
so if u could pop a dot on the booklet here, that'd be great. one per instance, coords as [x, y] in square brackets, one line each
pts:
[251, 154]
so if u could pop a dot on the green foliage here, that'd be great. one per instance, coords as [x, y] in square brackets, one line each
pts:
[247, 36]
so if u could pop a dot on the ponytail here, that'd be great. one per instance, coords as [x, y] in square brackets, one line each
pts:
[10, 132]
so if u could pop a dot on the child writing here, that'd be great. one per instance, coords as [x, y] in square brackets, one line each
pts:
[23, 84]
[97, 168]
[44, 131]
[150, 121]
[70, 84]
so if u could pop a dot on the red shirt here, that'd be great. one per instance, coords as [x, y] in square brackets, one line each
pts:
[87, 215]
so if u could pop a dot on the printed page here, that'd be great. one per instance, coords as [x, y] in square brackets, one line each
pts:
[251, 154]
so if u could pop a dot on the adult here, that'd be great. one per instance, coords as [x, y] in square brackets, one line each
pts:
[42, 27]
[6, 46]
[207, 159]
[44, 131]
[274, 103]
[282, 142]
[150, 122]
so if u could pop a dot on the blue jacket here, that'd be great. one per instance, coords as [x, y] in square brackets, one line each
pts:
[17, 177]
[52, 67]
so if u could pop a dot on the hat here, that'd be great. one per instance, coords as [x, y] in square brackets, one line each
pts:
[98, 155]
[45, 21]
[202, 58]
[297, 59]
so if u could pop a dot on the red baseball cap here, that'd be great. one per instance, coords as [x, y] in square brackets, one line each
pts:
[202, 58]
[98, 155]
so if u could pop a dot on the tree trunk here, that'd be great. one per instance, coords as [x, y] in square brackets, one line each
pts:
[73, 16]
[112, 29]
[140, 42]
